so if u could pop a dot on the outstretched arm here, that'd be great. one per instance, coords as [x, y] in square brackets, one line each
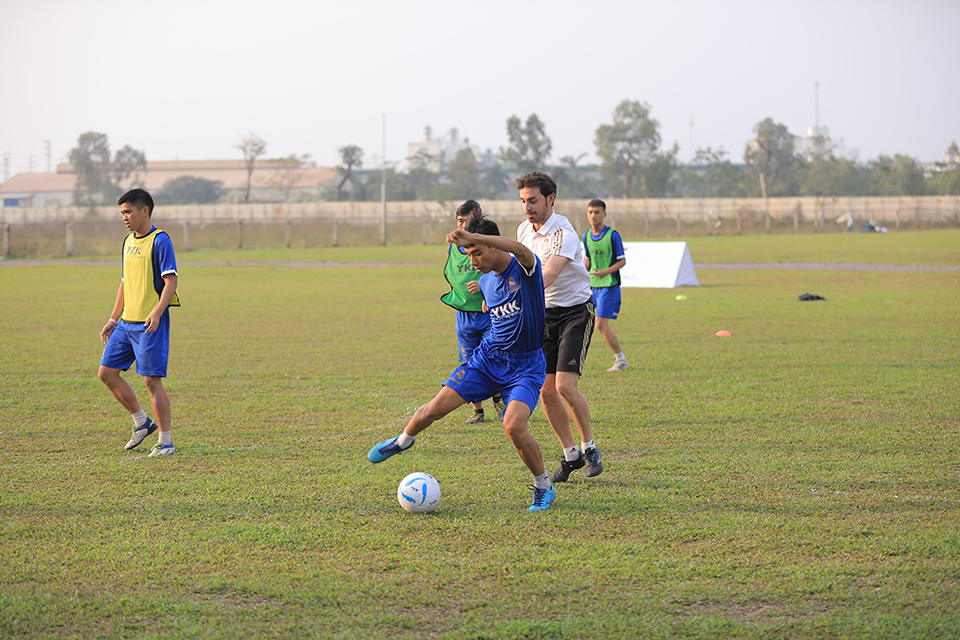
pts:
[523, 255]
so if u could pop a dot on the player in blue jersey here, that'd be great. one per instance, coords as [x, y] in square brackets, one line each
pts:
[139, 326]
[604, 257]
[464, 296]
[509, 358]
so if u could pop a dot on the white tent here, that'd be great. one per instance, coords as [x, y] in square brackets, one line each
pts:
[658, 265]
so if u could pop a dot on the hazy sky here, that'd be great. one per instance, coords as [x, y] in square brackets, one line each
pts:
[185, 79]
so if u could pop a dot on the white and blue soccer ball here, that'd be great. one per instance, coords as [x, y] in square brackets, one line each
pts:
[419, 493]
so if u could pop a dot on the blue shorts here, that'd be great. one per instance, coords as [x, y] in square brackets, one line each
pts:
[608, 301]
[515, 376]
[128, 342]
[471, 325]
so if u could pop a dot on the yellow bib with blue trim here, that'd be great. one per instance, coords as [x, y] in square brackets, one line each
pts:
[142, 285]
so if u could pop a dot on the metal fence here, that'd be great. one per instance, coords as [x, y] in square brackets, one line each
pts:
[31, 233]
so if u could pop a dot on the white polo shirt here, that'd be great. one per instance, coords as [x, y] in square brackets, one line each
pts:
[557, 237]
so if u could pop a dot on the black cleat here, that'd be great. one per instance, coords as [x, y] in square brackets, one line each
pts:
[594, 466]
[566, 468]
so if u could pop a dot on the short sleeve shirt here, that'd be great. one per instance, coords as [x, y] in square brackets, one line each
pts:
[558, 237]
[515, 298]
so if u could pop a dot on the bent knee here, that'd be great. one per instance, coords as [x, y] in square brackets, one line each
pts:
[515, 430]
[549, 392]
[153, 383]
[568, 385]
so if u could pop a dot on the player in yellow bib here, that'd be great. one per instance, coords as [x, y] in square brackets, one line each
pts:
[139, 326]
[464, 296]
[604, 257]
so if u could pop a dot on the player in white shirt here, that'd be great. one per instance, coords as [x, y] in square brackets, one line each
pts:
[570, 316]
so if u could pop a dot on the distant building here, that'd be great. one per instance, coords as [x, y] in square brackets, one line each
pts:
[272, 181]
[427, 154]
[818, 144]
[436, 155]
[951, 160]
[39, 190]
[951, 157]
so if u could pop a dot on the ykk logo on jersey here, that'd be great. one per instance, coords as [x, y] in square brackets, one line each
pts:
[505, 310]
[133, 250]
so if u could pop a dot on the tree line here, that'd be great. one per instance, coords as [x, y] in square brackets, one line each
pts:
[634, 164]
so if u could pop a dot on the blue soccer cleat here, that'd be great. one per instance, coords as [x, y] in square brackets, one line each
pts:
[383, 450]
[542, 498]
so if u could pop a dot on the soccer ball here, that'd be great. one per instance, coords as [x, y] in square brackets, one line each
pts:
[419, 493]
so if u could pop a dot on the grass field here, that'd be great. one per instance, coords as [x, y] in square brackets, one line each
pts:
[798, 480]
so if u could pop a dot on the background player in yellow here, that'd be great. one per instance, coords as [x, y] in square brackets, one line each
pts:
[139, 325]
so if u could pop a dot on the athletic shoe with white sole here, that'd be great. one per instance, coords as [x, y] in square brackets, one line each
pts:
[566, 468]
[620, 365]
[383, 450]
[542, 498]
[161, 449]
[593, 463]
[476, 417]
[139, 434]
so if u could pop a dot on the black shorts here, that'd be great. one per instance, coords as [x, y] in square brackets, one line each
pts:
[566, 337]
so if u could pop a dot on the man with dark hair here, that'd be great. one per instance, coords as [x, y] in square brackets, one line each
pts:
[509, 358]
[139, 326]
[604, 257]
[465, 297]
[570, 317]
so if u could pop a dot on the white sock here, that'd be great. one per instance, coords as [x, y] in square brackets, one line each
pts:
[166, 437]
[621, 357]
[542, 481]
[139, 418]
[589, 445]
[571, 454]
[404, 441]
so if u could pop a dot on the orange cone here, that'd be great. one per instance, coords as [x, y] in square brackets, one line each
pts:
[723, 334]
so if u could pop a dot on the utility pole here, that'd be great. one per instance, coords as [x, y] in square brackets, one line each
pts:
[816, 86]
[46, 151]
[383, 187]
[6, 166]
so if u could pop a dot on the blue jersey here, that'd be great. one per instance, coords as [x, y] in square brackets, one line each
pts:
[515, 300]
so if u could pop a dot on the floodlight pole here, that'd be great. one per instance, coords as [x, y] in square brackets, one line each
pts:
[383, 187]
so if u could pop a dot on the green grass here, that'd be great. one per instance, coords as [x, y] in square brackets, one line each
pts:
[798, 480]
[915, 247]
